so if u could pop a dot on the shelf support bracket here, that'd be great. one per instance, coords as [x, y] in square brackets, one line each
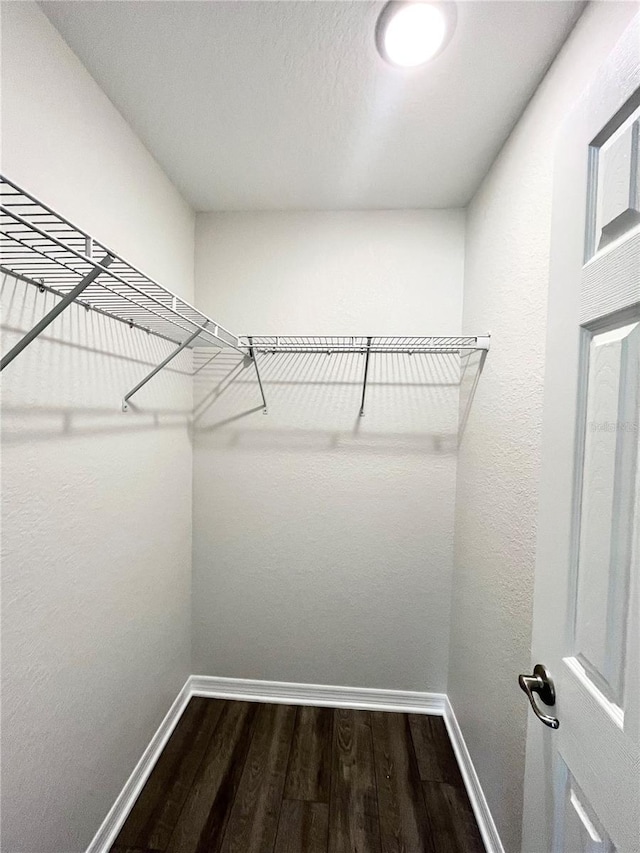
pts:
[364, 381]
[252, 355]
[164, 363]
[39, 327]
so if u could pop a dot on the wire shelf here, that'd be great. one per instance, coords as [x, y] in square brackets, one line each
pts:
[42, 247]
[363, 344]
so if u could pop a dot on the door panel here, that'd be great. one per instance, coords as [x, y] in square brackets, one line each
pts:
[580, 827]
[615, 177]
[582, 785]
[605, 506]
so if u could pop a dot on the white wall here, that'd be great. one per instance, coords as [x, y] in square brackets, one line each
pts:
[96, 514]
[322, 541]
[64, 141]
[506, 273]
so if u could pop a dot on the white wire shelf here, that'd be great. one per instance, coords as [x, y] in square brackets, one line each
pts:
[366, 345]
[41, 247]
[44, 248]
[372, 344]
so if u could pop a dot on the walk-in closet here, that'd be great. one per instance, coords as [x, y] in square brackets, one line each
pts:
[320, 387]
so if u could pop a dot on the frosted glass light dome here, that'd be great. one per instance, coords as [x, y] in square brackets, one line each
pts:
[410, 34]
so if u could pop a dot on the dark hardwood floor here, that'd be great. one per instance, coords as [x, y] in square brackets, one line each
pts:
[243, 777]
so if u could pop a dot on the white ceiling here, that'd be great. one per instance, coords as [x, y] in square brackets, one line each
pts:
[286, 105]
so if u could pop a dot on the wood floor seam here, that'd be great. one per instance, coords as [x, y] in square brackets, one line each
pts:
[375, 771]
[295, 726]
[275, 837]
[202, 758]
[231, 773]
[204, 752]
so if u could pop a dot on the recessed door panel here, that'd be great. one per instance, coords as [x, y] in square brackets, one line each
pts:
[615, 183]
[579, 829]
[607, 506]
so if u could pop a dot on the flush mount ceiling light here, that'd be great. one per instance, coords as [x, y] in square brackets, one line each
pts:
[410, 34]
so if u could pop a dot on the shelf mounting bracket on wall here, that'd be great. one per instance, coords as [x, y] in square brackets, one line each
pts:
[366, 373]
[252, 356]
[164, 363]
[48, 318]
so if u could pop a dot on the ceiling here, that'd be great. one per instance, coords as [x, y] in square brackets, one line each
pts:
[286, 105]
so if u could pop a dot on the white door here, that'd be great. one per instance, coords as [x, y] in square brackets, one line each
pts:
[582, 781]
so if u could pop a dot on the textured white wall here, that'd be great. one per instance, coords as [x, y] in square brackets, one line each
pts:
[506, 273]
[62, 139]
[96, 512]
[323, 542]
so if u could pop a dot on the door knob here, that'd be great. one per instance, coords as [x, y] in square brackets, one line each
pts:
[540, 682]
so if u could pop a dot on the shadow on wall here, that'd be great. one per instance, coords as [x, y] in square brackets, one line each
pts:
[472, 367]
[323, 541]
[71, 380]
[412, 402]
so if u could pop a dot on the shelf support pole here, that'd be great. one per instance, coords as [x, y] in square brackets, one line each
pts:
[164, 363]
[364, 381]
[252, 354]
[55, 311]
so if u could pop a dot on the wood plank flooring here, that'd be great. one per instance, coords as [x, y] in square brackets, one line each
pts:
[244, 777]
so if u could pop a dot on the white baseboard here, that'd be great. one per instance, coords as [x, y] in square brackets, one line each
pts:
[478, 800]
[111, 825]
[288, 693]
[400, 701]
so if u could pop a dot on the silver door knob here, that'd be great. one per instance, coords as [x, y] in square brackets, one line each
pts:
[540, 682]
